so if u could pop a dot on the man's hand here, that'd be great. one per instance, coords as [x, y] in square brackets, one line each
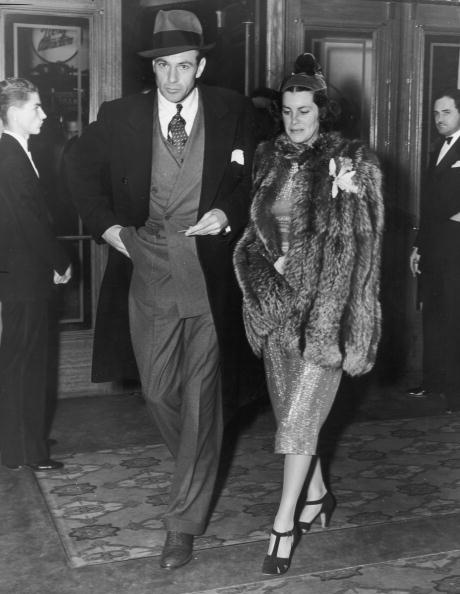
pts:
[211, 223]
[112, 237]
[455, 217]
[414, 260]
[63, 279]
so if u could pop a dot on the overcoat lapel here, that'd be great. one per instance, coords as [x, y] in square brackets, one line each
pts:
[218, 131]
[137, 145]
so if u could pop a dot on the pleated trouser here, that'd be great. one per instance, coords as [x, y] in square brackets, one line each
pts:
[178, 362]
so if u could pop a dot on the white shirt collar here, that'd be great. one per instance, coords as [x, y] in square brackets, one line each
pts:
[23, 142]
[454, 137]
[166, 110]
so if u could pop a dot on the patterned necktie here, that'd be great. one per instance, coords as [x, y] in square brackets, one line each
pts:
[177, 135]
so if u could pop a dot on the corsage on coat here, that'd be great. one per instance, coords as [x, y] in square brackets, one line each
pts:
[325, 299]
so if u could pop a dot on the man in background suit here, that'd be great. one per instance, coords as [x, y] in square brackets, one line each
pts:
[178, 164]
[31, 261]
[436, 256]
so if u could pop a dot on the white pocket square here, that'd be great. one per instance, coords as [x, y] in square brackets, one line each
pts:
[456, 164]
[238, 156]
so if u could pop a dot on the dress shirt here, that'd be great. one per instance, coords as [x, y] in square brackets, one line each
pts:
[23, 142]
[167, 109]
[447, 145]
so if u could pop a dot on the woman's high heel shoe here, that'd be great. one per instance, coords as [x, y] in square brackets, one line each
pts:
[274, 565]
[327, 503]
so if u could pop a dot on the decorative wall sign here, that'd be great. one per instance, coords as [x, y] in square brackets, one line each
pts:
[55, 44]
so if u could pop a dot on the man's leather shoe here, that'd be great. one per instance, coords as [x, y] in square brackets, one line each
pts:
[45, 465]
[418, 392]
[177, 550]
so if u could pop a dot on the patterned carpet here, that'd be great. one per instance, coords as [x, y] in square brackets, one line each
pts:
[107, 505]
[419, 575]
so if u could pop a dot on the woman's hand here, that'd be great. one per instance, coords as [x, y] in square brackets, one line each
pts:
[279, 264]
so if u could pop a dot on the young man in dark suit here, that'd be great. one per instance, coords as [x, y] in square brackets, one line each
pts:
[31, 261]
[436, 256]
[178, 165]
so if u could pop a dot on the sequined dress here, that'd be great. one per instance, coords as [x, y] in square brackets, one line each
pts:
[301, 392]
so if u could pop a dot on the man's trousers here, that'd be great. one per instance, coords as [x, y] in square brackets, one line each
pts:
[23, 362]
[178, 362]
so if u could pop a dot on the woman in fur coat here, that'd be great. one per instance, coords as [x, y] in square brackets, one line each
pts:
[308, 266]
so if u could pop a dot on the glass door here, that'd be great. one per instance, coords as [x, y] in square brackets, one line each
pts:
[53, 52]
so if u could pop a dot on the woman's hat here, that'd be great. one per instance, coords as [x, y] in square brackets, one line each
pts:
[307, 74]
[175, 31]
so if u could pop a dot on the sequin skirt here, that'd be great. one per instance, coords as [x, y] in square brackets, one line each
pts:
[301, 394]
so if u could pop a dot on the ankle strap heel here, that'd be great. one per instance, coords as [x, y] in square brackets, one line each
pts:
[327, 503]
[274, 565]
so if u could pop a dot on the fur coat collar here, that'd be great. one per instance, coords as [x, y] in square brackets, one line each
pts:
[326, 300]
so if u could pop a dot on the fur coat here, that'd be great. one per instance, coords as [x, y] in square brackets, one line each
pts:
[326, 299]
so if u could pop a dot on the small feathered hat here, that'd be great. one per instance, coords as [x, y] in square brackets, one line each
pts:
[307, 74]
[175, 31]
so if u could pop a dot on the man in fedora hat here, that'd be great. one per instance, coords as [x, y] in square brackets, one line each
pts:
[164, 179]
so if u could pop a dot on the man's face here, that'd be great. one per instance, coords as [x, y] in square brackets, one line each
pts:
[71, 129]
[446, 116]
[175, 75]
[27, 117]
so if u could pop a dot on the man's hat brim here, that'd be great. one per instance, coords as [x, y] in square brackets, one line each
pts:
[170, 51]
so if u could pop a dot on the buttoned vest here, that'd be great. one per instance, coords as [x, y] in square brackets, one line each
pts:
[175, 191]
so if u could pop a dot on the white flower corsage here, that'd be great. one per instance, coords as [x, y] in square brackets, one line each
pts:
[342, 180]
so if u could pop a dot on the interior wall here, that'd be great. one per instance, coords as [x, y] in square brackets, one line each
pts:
[399, 131]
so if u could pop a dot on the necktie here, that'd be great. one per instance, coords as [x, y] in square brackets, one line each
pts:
[448, 139]
[177, 135]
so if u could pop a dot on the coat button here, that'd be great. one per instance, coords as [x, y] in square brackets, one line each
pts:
[124, 180]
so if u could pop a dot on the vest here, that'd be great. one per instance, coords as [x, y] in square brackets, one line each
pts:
[175, 190]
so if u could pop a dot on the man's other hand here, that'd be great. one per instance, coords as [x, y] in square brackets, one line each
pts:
[211, 223]
[414, 260]
[112, 237]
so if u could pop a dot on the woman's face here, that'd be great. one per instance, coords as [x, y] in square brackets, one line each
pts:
[300, 116]
[27, 118]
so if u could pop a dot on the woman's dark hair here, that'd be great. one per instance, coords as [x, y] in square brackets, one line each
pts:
[308, 76]
[14, 91]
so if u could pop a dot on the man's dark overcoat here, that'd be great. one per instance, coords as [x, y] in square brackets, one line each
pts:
[438, 242]
[119, 144]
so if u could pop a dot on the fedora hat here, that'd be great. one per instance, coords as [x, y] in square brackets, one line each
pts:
[175, 31]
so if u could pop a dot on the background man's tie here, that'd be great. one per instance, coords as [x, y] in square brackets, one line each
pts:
[177, 135]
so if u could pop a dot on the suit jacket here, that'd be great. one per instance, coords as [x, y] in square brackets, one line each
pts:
[29, 251]
[109, 170]
[438, 239]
